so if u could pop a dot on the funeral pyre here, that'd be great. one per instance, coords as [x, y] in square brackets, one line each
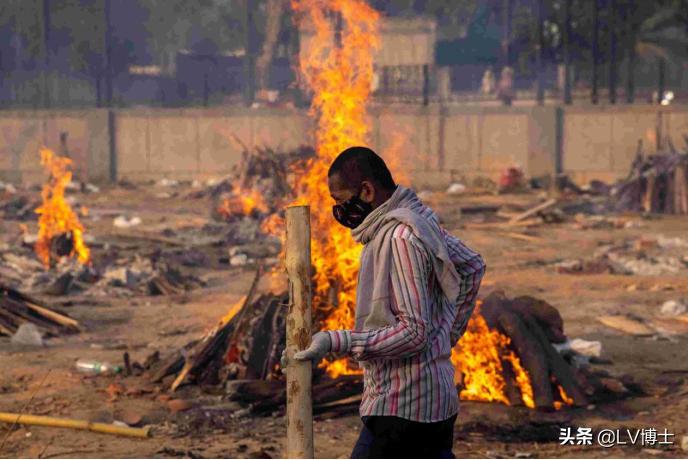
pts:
[506, 355]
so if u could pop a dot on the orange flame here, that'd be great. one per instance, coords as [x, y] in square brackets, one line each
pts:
[565, 398]
[273, 225]
[56, 217]
[478, 364]
[339, 71]
[339, 76]
[242, 203]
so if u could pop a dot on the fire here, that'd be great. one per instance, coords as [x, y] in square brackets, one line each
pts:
[243, 202]
[56, 217]
[339, 74]
[273, 225]
[478, 362]
[337, 66]
[565, 398]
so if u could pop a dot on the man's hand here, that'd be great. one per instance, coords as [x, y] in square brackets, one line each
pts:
[320, 346]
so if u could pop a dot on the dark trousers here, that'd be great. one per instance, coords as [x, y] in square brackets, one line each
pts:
[394, 437]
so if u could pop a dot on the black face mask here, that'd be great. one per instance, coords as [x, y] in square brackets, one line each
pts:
[352, 212]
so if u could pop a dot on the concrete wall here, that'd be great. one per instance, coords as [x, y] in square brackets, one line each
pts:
[438, 145]
[429, 146]
[23, 132]
[195, 143]
[601, 143]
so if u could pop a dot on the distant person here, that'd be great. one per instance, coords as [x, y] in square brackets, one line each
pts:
[488, 82]
[416, 290]
[505, 86]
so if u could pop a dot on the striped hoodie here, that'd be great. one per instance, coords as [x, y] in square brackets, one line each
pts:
[407, 368]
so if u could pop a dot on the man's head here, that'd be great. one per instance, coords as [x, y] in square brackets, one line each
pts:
[359, 181]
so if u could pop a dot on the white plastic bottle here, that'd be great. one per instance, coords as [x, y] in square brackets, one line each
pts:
[93, 367]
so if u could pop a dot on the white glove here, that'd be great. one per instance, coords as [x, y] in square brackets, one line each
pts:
[320, 346]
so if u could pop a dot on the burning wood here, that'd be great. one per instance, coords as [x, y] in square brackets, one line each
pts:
[260, 186]
[506, 356]
[60, 233]
[337, 67]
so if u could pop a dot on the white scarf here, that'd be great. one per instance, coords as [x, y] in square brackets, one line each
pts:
[375, 232]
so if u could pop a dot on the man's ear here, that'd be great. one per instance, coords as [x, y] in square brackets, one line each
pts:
[368, 191]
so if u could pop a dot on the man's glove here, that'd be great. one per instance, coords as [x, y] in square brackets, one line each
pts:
[320, 346]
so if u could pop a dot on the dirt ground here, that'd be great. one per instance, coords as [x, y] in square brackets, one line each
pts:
[43, 380]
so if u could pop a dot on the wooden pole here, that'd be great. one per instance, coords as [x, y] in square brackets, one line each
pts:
[299, 402]
[24, 419]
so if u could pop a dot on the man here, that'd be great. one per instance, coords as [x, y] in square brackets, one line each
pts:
[416, 289]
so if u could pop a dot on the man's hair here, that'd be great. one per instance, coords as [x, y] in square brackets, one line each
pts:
[357, 164]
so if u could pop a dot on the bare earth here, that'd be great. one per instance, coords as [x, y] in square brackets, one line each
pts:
[43, 381]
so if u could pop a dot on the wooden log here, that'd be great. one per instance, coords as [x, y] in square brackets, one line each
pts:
[19, 311]
[267, 339]
[649, 193]
[514, 394]
[680, 190]
[533, 211]
[298, 265]
[668, 195]
[522, 236]
[504, 225]
[54, 316]
[172, 364]
[547, 316]
[30, 309]
[557, 365]
[479, 209]
[267, 399]
[531, 355]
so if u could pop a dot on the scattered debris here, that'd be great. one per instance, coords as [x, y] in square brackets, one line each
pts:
[178, 405]
[456, 189]
[512, 180]
[627, 324]
[17, 309]
[674, 308]
[28, 335]
[533, 211]
[126, 222]
[643, 256]
[588, 348]
[165, 182]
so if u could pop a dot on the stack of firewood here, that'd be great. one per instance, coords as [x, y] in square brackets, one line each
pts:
[17, 308]
[655, 184]
[532, 326]
[246, 346]
[242, 352]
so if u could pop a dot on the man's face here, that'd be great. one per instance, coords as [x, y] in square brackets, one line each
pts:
[339, 191]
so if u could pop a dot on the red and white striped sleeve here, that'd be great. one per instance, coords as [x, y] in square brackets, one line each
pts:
[410, 271]
[471, 268]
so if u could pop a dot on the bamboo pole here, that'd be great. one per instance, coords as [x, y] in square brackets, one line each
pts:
[23, 419]
[298, 265]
